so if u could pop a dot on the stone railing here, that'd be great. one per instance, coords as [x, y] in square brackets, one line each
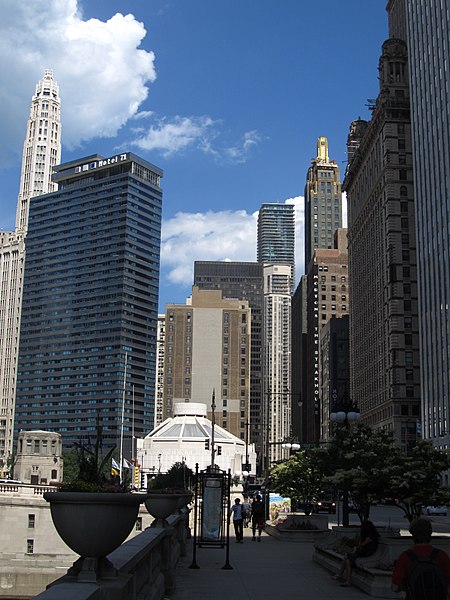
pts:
[146, 566]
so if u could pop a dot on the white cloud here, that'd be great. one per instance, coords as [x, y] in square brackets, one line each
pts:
[101, 71]
[222, 235]
[171, 136]
[177, 134]
[240, 152]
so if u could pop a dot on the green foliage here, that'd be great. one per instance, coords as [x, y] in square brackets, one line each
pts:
[71, 467]
[178, 478]
[301, 477]
[415, 479]
[89, 471]
[360, 457]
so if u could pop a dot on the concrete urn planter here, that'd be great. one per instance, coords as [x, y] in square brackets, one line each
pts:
[93, 525]
[161, 504]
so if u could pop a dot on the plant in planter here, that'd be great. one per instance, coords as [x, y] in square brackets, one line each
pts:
[168, 492]
[93, 514]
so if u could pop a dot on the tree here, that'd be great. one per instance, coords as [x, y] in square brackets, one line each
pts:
[301, 477]
[360, 458]
[415, 479]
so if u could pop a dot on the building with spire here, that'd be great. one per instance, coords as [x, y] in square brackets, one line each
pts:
[42, 147]
[323, 201]
[41, 152]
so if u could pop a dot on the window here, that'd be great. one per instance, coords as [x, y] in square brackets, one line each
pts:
[30, 546]
[31, 521]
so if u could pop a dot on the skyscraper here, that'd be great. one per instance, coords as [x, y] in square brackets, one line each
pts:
[89, 315]
[384, 344]
[276, 235]
[428, 26]
[42, 147]
[323, 201]
[41, 151]
[328, 296]
[277, 360]
[244, 281]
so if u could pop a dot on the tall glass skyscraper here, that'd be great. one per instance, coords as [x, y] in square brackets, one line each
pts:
[89, 315]
[428, 25]
[276, 235]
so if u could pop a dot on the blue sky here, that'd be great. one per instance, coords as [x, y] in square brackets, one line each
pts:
[227, 97]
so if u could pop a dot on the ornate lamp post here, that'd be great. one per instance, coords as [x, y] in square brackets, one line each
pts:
[347, 414]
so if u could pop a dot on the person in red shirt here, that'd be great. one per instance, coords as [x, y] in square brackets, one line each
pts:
[421, 531]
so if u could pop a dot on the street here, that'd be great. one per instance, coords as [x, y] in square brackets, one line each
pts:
[394, 517]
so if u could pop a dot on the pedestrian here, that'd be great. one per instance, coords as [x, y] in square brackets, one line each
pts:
[238, 521]
[258, 520]
[367, 545]
[246, 511]
[423, 571]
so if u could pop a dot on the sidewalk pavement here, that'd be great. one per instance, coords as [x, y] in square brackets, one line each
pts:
[261, 571]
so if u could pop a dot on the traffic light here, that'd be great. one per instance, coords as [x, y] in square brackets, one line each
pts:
[219, 450]
[206, 444]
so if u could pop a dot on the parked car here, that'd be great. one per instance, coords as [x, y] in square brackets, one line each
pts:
[324, 506]
[436, 510]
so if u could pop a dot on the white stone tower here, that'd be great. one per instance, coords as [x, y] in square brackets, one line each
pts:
[41, 152]
[42, 147]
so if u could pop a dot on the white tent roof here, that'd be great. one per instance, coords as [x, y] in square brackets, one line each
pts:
[189, 423]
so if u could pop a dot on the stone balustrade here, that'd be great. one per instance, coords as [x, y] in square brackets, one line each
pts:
[146, 566]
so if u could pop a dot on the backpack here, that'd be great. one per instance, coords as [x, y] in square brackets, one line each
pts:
[426, 580]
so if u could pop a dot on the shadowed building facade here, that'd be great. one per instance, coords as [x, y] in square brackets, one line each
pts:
[384, 341]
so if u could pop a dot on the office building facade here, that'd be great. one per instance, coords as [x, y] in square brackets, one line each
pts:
[243, 281]
[277, 362]
[159, 384]
[384, 344]
[328, 296]
[41, 152]
[428, 38]
[88, 334]
[276, 235]
[207, 353]
[323, 201]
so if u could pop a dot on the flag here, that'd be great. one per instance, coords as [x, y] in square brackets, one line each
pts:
[115, 469]
[126, 464]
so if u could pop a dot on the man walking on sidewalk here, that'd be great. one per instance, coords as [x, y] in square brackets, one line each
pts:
[258, 519]
[238, 520]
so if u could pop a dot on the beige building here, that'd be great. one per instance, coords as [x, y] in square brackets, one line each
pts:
[277, 360]
[39, 458]
[159, 383]
[384, 345]
[327, 296]
[207, 349]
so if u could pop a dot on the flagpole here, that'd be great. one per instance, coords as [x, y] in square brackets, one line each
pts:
[133, 441]
[213, 422]
[123, 416]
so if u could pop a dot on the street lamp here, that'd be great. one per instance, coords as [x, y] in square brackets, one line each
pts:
[346, 416]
